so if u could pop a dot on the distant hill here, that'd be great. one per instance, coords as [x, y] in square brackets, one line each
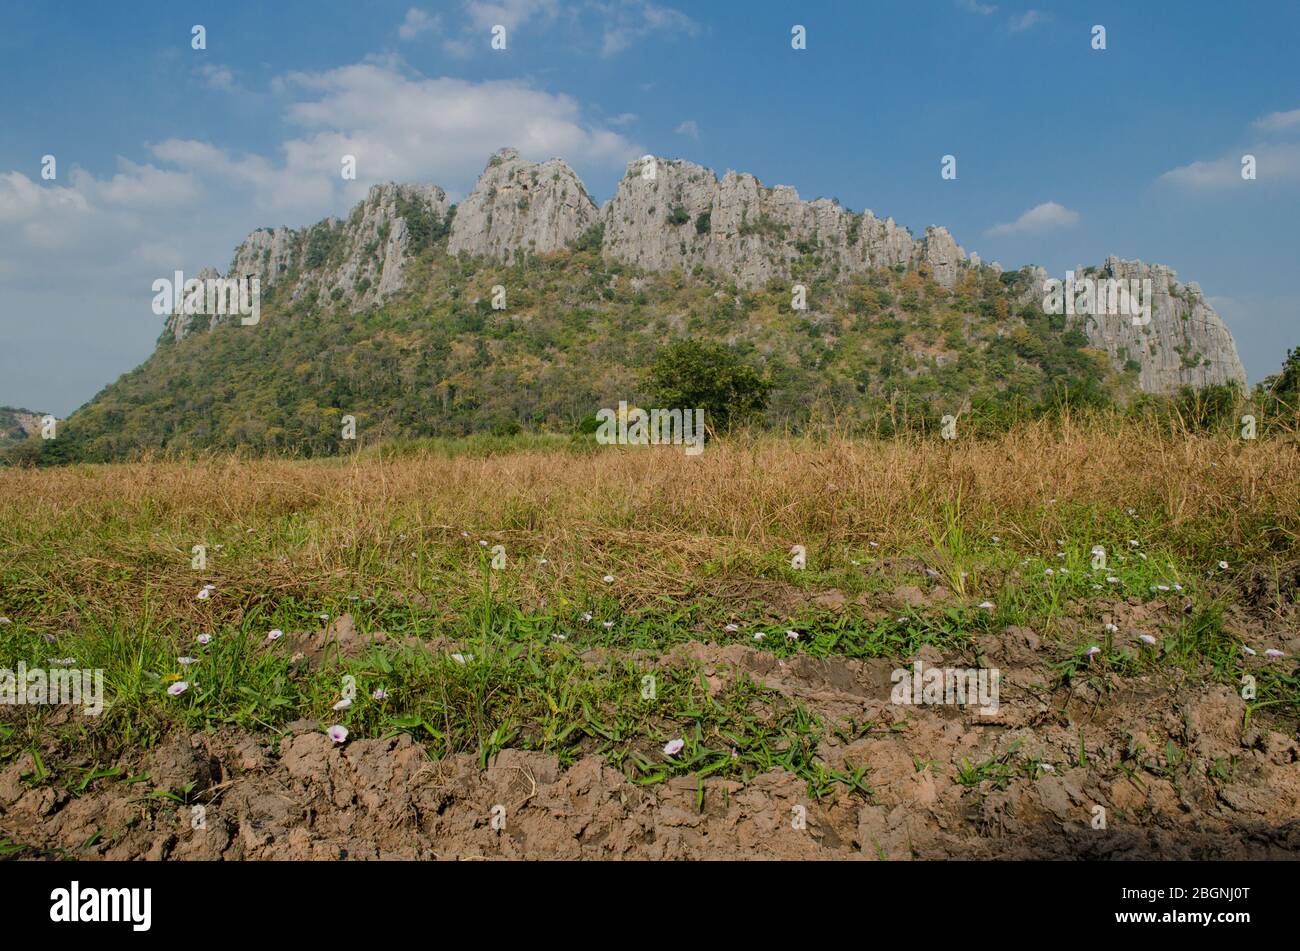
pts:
[389, 316]
[17, 424]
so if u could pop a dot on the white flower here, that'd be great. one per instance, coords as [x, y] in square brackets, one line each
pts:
[178, 688]
[873, 544]
[1142, 555]
[759, 636]
[1132, 543]
[1047, 767]
[1049, 571]
[1249, 652]
[5, 620]
[587, 616]
[1111, 628]
[1146, 639]
[1273, 652]
[186, 661]
[607, 624]
[343, 704]
[379, 694]
[673, 747]
[337, 733]
[987, 605]
[792, 635]
[482, 542]
[1223, 566]
[608, 579]
[204, 640]
[1092, 651]
[205, 592]
[323, 617]
[731, 629]
[1112, 580]
[559, 637]
[275, 635]
[542, 561]
[461, 658]
[996, 539]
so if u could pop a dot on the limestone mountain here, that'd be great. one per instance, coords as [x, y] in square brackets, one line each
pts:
[18, 424]
[392, 315]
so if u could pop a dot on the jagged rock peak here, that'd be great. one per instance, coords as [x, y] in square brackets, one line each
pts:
[1186, 342]
[672, 213]
[518, 206]
[355, 262]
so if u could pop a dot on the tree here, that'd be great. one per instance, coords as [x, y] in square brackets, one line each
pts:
[1285, 386]
[690, 374]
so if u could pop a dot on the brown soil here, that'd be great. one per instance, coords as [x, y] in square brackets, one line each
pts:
[1229, 793]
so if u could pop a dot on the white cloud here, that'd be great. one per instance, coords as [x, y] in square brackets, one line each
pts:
[626, 118]
[628, 21]
[1278, 121]
[1273, 163]
[416, 23]
[1026, 20]
[973, 6]
[512, 14]
[217, 77]
[690, 128]
[1041, 219]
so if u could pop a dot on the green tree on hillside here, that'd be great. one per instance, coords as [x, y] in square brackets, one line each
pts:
[691, 374]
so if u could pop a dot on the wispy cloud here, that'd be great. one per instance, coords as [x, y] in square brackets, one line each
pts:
[217, 77]
[418, 22]
[1273, 163]
[1041, 219]
[974, 6]
[689, 128]
[1030, 18]
[1278, 121]
[627, 21]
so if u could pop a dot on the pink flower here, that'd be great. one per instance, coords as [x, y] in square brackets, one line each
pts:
[178, 688]
[673, 747]
[337, 733]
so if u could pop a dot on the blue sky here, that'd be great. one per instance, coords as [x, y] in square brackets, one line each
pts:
[168, 156]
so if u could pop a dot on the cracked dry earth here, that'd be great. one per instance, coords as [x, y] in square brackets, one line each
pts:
[299, 796]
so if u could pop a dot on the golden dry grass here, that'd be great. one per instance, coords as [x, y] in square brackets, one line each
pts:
[653, 513]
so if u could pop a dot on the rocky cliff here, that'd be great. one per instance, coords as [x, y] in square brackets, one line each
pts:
[668, 213]
[1185, 343]
[520, 206]
[354, 263]
[17, 424]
